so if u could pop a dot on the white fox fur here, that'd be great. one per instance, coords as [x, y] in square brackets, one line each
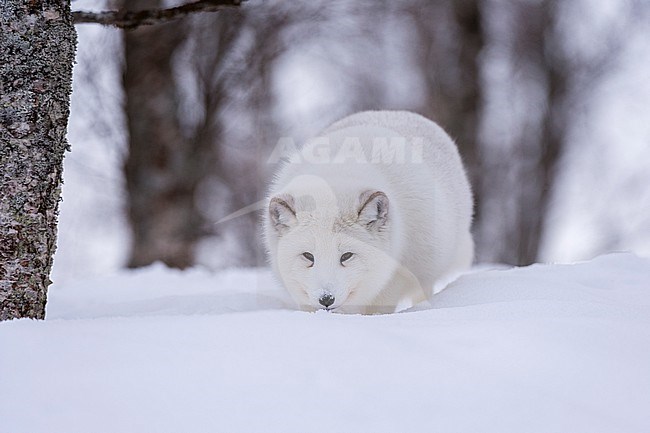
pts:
[403, 212]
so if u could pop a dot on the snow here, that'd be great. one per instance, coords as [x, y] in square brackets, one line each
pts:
[547, 348]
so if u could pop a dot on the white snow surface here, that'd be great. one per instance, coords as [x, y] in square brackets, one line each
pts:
[547, 348]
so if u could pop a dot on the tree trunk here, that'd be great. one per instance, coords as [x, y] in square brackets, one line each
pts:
[172, 156]
[161, 167]
[37, 47]
[543, 143]
[464, 120]
[451, 37]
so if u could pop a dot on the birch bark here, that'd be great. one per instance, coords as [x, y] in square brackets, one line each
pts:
[37, 48]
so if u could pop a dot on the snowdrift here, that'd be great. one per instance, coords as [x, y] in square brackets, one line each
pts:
[555, 348]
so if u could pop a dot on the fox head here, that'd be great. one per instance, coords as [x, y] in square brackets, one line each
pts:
[331, 250]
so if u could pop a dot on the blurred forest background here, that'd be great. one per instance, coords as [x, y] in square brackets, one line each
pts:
[172, 125]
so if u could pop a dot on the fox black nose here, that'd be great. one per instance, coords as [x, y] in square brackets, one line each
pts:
[326, 300]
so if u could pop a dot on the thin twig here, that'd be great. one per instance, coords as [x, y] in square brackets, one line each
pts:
[131, 19]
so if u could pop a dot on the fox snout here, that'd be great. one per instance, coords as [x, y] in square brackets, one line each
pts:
[326, 299]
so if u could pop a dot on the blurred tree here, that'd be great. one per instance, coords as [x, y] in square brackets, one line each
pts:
[161, 169]
[182, 80]
[171, 153]
[452, 36]
[37, 49]
[543, 139]
[549, 76]
[449, 40]
[266, 28]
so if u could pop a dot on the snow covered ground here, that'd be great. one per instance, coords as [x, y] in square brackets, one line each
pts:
[558, 348]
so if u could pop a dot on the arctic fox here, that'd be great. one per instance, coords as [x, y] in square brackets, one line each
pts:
[366, 217]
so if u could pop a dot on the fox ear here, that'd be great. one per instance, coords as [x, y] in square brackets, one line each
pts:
[282, 214]
[373, 210]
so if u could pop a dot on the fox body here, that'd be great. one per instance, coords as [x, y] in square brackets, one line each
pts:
[366, 217]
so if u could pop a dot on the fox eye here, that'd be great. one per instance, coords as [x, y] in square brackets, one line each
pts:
[345, 257]
[309, 256]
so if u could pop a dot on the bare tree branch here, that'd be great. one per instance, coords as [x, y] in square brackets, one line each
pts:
[131, 19]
